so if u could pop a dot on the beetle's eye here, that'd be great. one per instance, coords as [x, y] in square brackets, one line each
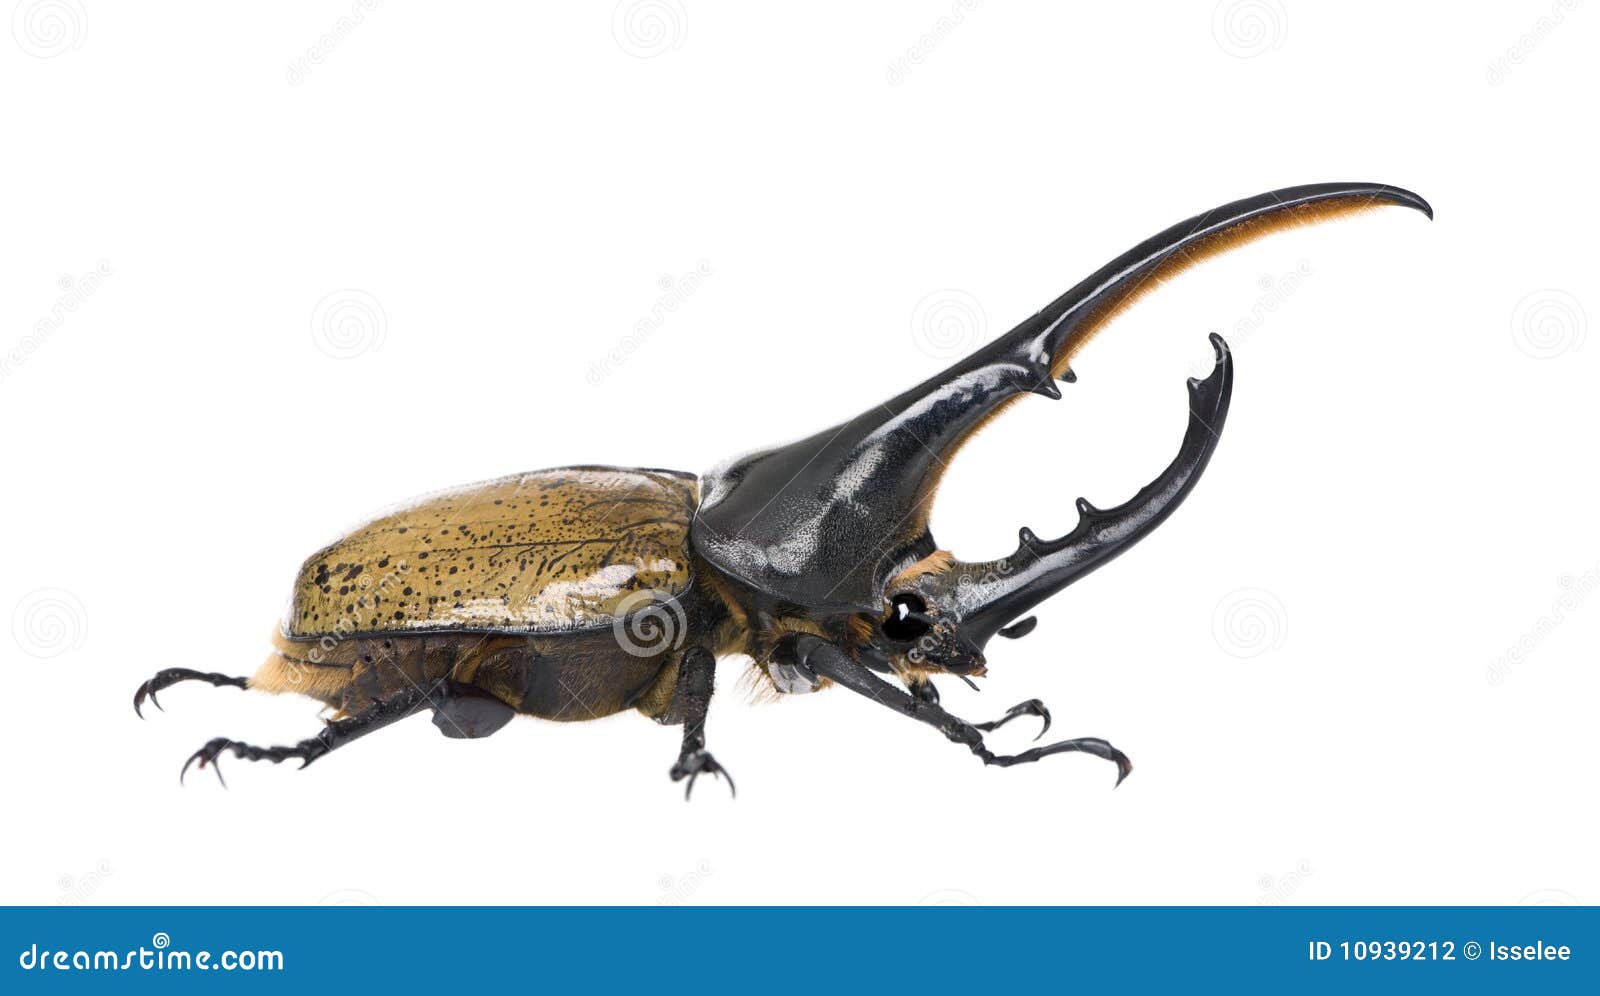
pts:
[907, 619]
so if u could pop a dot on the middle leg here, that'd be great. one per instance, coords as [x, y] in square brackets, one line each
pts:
[690, 701]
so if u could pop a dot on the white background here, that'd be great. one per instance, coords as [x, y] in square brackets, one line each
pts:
[1358, 666]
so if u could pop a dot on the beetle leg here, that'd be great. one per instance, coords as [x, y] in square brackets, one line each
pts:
[1032, 707]
[335, 734]
[690, 701]
[921, 686]
[817, 656]
[173, 675]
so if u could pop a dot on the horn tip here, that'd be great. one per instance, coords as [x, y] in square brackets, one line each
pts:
[1406, 198]
[1224, 361]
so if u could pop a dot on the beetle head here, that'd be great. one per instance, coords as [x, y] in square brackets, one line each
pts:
[920, 629]
[940, 612]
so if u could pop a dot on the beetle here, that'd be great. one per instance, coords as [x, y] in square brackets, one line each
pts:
[580, 592]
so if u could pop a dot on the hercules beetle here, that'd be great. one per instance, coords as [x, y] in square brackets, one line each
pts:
[579, 592]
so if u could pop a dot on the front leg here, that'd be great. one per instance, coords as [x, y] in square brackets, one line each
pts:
[921, 686]
[817, 656]
[690, 701]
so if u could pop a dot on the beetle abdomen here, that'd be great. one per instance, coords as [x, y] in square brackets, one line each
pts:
[560, 676]
[554, 550]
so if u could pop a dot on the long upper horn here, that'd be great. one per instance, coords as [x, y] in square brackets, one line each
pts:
[822, 522]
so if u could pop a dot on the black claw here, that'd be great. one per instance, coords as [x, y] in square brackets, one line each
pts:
[173, 675]
[694, 765]
[145, 692]
[208, 755]
[1124, 767]
[1032, 707]
[1043, 714]
[1087, 745]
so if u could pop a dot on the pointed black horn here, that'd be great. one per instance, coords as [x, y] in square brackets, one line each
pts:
[824, 522]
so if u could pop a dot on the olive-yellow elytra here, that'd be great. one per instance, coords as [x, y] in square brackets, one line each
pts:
[579, 592]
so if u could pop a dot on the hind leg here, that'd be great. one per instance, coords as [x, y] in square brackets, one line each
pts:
[335, 734]
[171, 676]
